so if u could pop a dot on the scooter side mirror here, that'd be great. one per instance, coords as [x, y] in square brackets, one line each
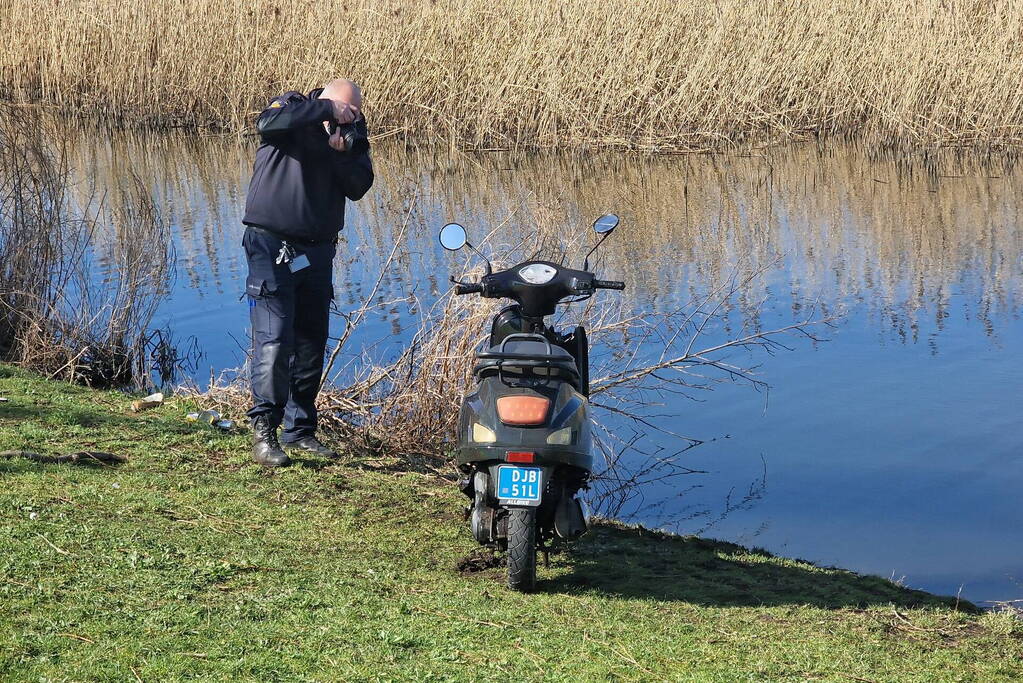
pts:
[605, 224]
[453, 237]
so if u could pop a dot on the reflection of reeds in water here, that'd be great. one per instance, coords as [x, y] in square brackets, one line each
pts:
[659, 73]
[54, 315]
[849, 228]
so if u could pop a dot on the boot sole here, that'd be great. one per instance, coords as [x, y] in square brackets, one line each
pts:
[305, 451]
[272, 465]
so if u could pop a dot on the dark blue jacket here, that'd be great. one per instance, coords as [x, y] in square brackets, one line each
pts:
[299, 183]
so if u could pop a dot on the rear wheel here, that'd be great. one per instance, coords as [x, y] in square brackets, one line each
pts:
[522, 549]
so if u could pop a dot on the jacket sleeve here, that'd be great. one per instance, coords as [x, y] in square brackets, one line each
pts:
[354, 174]
[288, 112]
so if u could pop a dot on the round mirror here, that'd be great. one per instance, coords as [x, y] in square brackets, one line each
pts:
[605, 224]
[452, 236]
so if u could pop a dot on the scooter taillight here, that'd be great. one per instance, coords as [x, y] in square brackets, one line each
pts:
[523, 410]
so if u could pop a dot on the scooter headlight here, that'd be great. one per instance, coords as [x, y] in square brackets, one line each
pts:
[537, 273]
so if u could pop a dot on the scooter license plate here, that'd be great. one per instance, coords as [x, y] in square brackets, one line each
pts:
[519, 485]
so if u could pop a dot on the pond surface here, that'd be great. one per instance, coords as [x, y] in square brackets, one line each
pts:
[894, 448]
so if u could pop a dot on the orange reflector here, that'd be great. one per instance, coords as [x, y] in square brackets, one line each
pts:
[523, 410]
[520, 456]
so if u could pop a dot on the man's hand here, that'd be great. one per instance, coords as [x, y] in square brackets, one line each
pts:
[337, 142]
[344, 112]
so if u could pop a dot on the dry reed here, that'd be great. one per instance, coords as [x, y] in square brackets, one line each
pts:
[657, 74]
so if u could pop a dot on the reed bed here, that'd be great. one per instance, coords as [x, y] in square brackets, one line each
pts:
[664, 75]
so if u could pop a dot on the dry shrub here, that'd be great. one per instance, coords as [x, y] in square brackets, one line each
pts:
[657, 74]
[410, 405]
[79, 283]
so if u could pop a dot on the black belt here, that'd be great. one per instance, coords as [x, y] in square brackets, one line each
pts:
[288, 238]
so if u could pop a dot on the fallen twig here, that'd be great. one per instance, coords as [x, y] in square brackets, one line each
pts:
[79, 457]
[59, 550]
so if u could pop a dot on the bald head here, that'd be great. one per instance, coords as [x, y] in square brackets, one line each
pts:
[343, 90]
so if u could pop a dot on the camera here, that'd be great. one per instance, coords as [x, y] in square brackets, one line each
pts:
[355, 136]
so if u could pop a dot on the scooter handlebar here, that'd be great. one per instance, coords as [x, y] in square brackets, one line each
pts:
[462, 288]
[608, 284]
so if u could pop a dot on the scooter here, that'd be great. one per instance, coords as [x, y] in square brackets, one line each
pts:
[524, 445]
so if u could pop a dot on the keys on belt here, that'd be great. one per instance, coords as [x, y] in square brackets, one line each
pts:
[294, 260]
[287, 254]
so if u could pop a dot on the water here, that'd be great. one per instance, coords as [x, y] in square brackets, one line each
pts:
[892, 448]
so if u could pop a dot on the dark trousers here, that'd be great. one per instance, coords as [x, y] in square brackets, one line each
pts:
[290, 319]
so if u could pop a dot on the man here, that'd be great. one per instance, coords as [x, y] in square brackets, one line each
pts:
[294, 210]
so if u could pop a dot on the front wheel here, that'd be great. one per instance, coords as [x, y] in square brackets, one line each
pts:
[522, 549]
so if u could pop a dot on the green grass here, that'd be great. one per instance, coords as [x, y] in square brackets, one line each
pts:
[189, 562]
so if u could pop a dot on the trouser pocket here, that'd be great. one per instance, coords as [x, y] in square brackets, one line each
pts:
[266, 306]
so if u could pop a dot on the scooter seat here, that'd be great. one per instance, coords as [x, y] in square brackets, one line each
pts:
[528, 347]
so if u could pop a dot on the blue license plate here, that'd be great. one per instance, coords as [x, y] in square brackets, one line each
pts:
[519, 485]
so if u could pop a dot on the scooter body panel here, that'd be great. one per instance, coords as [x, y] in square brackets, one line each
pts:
[563, 439]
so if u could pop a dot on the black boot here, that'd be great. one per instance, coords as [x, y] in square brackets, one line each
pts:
[310, 444]
[266, 450]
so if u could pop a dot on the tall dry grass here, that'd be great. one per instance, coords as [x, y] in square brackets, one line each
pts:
[664, 74]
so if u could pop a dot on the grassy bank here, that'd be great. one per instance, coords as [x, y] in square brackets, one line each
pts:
[653, 73]
[188, 561]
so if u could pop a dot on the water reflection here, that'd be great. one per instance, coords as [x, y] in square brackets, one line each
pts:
[892, 449]
[906, 246]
